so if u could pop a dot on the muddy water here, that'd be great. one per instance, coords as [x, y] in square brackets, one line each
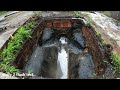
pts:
[61, 58]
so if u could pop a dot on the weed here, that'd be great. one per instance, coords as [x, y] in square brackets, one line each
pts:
[89, 22]
[115, 61]
[38, 13]
[77, 14]
[13, 46]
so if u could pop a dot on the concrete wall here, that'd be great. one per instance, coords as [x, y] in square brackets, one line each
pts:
[115, 14]
[93, 45]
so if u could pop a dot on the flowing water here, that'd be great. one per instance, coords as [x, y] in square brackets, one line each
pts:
[61, 58]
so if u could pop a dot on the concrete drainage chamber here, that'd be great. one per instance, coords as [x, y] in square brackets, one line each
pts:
[62, 48]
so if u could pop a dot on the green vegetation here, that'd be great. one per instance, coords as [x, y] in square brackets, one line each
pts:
[77, 14]
[38, 13]
[107, 13]
[8, 54]
[116, 61]
[89, 22]
[117, 22]
[115, 57]
[2, 12]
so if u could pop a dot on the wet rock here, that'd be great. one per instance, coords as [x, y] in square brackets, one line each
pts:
[115, 14]
[2, 19]
[73, 65]
[86, 69]
[34, 64]
[50, 42]
[49, 65]
[46, 34]
[79, 38]
[2, 28]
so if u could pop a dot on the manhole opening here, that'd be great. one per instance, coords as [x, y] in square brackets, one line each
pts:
[61, 50]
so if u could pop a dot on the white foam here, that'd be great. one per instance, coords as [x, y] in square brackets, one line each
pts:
[63, 59]
[63, 40]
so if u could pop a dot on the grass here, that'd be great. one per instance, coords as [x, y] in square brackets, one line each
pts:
[7, 55]
[115, 61]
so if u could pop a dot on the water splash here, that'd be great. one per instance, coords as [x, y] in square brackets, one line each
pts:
[63, 59]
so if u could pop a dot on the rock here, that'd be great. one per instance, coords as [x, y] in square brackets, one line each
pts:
[79, 38]
[46, 34]
[86, 69]
[34, 64]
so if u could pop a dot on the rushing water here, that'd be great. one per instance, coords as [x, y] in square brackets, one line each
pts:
[63, 59]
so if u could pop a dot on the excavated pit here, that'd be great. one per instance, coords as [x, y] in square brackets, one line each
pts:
[62, 48]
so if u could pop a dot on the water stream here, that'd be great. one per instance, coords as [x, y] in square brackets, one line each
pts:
[61, 58]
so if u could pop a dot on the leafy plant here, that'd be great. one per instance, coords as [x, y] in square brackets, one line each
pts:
[13, 46]
[116, 61]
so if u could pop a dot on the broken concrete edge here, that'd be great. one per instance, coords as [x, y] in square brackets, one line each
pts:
[102, 43]
[6, 43]
[83, 21]
[100, 66]
[113, 54]
[5, 15]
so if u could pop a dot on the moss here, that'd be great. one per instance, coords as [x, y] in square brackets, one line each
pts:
[38, 13]
[3, 12]
[117, 23]
[77, 14]
[107, 13]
